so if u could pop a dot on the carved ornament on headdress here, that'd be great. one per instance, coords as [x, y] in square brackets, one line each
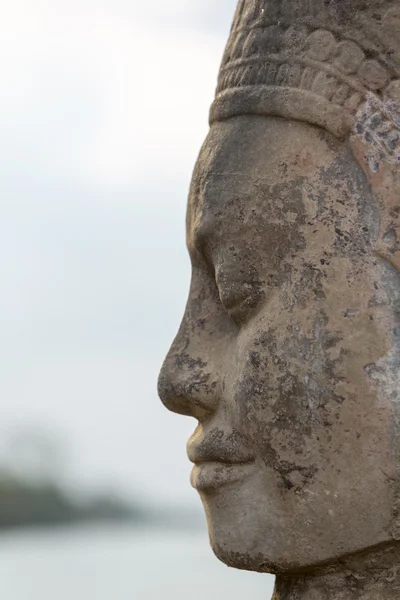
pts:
[318, 61]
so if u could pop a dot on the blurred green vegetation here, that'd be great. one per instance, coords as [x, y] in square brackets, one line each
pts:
[24, 503]
[33, 490]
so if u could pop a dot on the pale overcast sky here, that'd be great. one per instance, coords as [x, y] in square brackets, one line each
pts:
[103, 109]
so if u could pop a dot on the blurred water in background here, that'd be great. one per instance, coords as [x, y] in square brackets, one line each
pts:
[119, 563]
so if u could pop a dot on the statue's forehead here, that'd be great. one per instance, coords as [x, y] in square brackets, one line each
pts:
[239, 159]
[256, 173]
[233, 157]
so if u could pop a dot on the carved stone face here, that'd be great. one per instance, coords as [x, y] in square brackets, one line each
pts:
[286, 354]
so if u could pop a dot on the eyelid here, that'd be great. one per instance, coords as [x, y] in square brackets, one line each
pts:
[238, 307]
[240, 300]
[232, 300]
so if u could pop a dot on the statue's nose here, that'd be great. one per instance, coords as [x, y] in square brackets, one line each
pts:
[188, 383]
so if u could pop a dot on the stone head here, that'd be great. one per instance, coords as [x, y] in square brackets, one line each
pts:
[288, 352]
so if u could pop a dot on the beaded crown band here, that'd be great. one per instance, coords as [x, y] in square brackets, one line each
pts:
[318, 61]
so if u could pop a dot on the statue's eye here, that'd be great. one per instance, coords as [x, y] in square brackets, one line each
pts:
[240, 293]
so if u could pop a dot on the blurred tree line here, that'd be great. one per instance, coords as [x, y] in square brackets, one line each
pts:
[32, 493]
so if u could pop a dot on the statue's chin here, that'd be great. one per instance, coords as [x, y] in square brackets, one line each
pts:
[243, 526]
[255, 526]
[239, 550]
[245, 560]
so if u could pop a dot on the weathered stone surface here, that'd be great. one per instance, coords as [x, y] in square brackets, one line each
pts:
[289, 349]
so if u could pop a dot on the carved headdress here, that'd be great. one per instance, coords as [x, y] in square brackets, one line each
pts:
[318, 61]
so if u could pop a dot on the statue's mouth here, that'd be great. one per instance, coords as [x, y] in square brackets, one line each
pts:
[208, 476]
[219, 457]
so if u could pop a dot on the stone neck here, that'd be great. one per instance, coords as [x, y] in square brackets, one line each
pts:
[367, 576]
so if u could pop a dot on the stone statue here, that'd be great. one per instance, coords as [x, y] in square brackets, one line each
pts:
[288, 354]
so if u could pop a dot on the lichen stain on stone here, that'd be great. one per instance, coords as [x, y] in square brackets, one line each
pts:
[377, 124]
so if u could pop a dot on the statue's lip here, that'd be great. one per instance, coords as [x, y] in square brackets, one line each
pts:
[218, 447]
[207, 476]
[219, 461]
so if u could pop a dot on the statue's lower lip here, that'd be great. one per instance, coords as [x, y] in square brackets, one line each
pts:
[212, 475]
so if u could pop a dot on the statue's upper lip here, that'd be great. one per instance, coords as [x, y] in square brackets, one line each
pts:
[219, 446]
